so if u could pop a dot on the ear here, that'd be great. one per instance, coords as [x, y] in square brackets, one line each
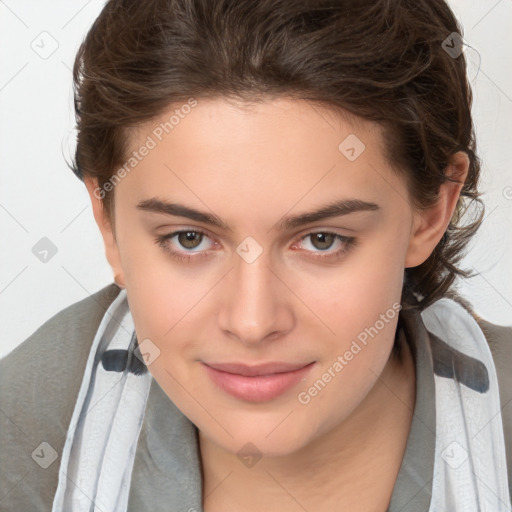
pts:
[106, 228]
[430, 225]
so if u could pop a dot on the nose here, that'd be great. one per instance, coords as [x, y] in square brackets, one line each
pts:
[255, 305]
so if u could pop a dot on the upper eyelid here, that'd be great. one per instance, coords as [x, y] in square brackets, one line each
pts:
[339, 237]
[202, 231]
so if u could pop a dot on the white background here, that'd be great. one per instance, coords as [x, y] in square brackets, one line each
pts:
[40, 197]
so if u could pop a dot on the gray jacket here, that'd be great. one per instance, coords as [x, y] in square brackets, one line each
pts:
[40, 380]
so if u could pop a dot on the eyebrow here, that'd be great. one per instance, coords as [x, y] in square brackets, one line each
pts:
[334, 209]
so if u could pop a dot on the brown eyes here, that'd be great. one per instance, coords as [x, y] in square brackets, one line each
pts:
[189, 239]
[187, 245]
[324, 240]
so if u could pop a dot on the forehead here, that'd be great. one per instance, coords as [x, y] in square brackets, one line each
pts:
[273, 154]
[214, 120]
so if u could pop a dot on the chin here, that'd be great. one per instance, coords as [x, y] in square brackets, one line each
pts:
[264, 438]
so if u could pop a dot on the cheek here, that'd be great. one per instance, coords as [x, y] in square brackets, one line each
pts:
[353, 296]
[351, 361]
[360, 305]
[160, 290]
[163, 308]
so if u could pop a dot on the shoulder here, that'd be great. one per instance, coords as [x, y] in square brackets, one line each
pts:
[499, 339]
[62, 340]
[39, 382]
[500, 342]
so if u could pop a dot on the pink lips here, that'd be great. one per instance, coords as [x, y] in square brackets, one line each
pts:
[258, 383]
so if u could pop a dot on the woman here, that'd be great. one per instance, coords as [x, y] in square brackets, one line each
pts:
[280, 187]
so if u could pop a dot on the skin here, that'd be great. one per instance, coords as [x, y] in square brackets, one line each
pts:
[251, 166]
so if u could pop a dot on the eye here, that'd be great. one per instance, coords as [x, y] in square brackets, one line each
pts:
[189, 239]
[182, 244]
[319, 243]
[190, 244]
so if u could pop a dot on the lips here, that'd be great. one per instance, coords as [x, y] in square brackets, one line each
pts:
[257, 383]
[256, 370]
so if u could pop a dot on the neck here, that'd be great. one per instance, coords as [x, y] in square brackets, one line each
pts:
[360, 473]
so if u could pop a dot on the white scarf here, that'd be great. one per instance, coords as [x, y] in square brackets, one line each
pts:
[470, 472]
[105, 426]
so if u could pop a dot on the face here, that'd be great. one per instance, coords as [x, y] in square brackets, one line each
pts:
[270, 324]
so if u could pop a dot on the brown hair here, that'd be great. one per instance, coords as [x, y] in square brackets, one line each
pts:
[382, 60]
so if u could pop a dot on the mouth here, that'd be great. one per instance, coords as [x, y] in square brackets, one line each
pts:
[258, 383]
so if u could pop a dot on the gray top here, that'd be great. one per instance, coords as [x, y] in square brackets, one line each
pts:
[413, 487]
[39, 383]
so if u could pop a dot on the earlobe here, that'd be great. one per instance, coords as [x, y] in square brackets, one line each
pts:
[106, 229]
[429, 225]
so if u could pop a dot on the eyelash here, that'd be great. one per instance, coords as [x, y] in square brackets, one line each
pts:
[162, 241]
